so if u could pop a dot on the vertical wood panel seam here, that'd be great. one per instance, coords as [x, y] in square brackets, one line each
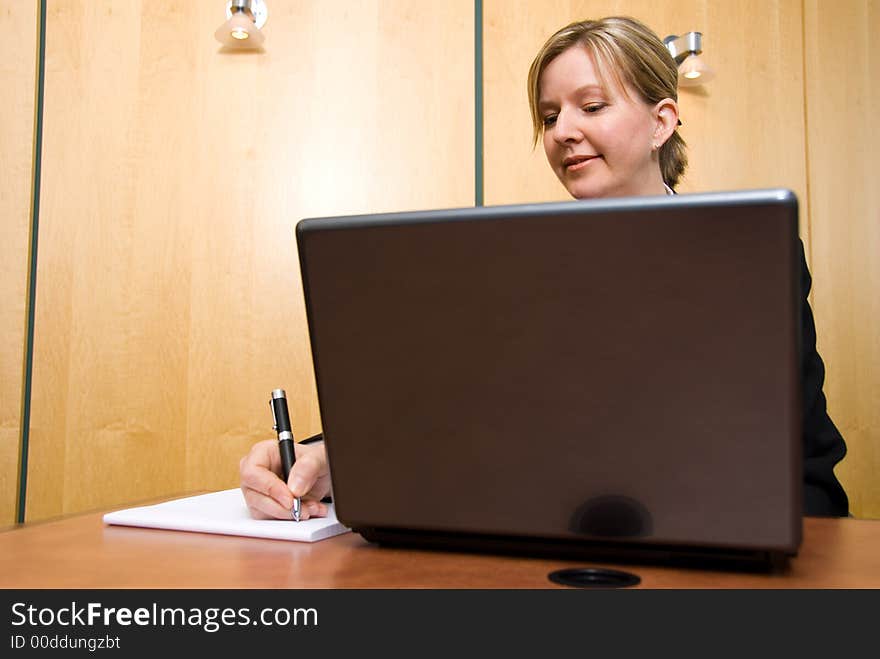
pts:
[807, 182]
[31, 288]
[478, 102]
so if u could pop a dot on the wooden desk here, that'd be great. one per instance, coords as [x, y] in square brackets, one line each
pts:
[81, 552]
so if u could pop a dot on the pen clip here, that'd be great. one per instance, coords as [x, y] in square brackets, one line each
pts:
[274, 420]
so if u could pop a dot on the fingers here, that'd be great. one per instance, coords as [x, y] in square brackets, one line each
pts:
[317, 509]
[268, 497]
[306, 471]
[264, 492]
[312, 508]
[264, 507]
[263, 455]
[261, 506]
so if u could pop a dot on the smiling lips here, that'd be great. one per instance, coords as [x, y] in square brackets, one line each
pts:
[574, 163]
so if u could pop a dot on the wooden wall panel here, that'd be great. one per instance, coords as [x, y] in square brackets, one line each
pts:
[369, 108]
[744, 129]
[170, 303]
[18, 24]
[843, 103]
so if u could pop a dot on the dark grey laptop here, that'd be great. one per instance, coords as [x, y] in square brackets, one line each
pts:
[578, 377]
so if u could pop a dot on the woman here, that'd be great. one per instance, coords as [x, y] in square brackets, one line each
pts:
[603, 101]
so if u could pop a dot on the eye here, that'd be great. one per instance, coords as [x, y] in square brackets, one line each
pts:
[594, 107]
[549, 120]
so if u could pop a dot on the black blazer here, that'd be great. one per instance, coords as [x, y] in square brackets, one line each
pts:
[823, 444]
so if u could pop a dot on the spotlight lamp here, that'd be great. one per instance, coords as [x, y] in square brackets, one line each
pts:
[241, 31]
[686, 50]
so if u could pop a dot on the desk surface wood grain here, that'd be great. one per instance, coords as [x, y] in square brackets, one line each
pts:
[82, 552]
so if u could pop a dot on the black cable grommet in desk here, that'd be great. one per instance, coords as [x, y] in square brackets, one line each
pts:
[594, 577]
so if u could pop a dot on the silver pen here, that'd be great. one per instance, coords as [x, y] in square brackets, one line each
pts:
[281, 419]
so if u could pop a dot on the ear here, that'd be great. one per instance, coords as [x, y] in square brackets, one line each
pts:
[666, 118]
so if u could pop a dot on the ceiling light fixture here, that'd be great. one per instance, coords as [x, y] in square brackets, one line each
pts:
[244, 18]
[686, 50]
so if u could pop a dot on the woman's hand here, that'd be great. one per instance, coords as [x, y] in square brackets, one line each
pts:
[268, 497]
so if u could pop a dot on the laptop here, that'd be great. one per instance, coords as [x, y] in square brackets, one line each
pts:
[615, 378]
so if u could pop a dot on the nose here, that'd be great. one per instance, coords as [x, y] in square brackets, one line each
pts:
[566, 129]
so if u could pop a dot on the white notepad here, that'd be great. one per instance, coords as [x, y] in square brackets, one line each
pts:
[225, 512]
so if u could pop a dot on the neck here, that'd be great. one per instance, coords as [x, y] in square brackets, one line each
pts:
[648, 182]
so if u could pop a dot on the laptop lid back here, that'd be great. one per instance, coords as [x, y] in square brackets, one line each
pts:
[621, 370]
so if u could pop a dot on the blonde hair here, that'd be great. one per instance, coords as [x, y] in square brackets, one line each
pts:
[634, 56]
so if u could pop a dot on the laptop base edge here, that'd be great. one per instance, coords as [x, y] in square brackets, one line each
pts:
[688, 557]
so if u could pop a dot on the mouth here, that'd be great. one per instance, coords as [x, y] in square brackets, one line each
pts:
[575, 163]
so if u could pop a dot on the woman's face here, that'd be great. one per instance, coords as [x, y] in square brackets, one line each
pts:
[600, 141]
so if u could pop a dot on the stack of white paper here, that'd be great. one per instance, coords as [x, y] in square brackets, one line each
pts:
[224, 512]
